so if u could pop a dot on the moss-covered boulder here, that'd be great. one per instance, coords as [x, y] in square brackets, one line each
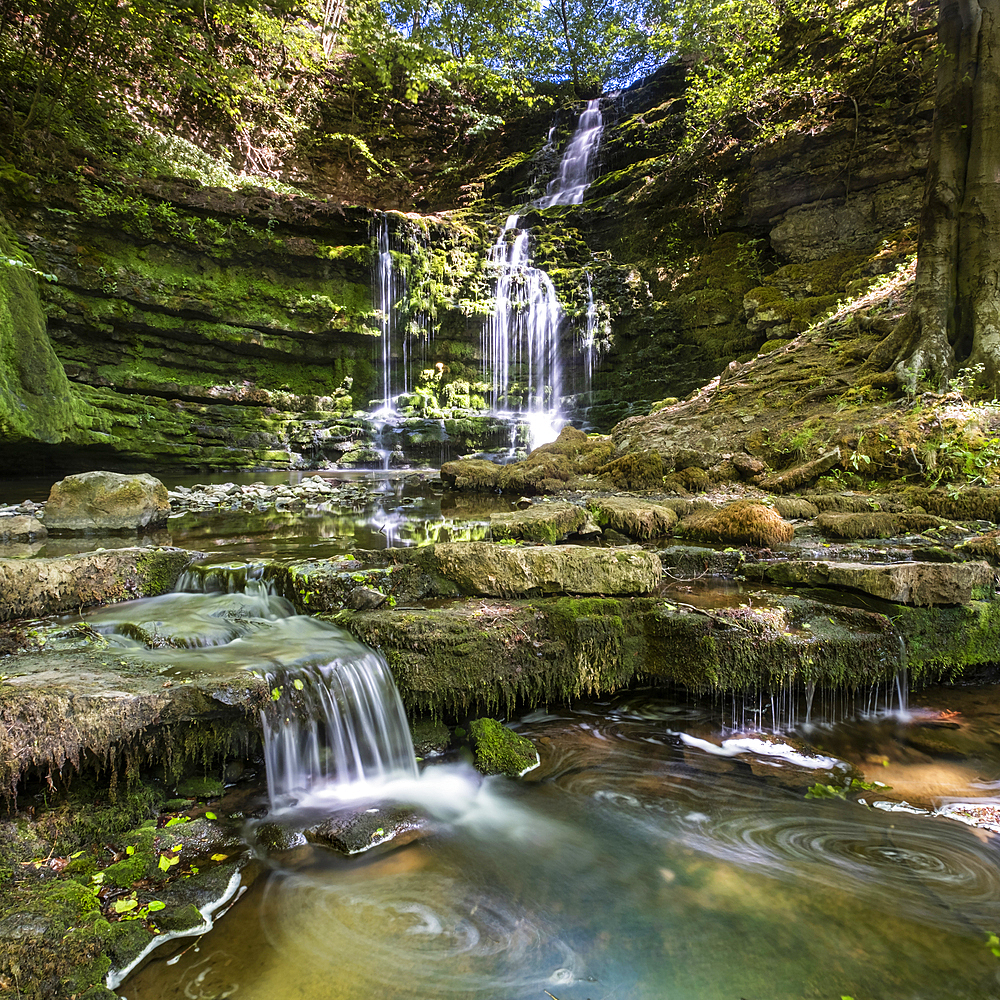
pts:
[745, 522]
[499, 750]
[547, 469]
[106, 501]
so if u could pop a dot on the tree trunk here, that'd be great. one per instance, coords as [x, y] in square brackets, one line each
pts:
[954, 320]
[978, 304]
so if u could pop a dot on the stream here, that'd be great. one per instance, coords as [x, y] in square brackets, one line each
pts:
[637, 862]
[667, 847]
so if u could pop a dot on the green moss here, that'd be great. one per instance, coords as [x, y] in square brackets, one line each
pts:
[636, 470]
[200, 788]
[745, 522]
[91, 813]
[37, 402]
[498, 750]
[139, 865]
[944, 642]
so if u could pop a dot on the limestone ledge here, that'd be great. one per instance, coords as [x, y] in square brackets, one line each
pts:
[499, 655]
[30, 588]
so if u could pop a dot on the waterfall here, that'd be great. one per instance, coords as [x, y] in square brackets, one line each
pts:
[523, 331]
[589, 340]
[521, 338]
[389, 288]
[575, 168]
[334, 727]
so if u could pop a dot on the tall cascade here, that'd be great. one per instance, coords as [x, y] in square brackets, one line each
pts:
[335, 728]
[389, 289]
[576, 166]
[522, 335]
[524, 328]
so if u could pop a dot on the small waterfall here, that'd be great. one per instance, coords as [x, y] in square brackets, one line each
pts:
[334, 727]
[575, 168]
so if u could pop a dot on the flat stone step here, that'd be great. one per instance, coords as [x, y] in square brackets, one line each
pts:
[918, 583]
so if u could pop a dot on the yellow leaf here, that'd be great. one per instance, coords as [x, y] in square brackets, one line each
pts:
[219, 857]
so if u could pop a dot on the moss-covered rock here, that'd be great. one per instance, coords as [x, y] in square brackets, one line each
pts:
[37, 402]
[632, 516]
[919, 583]
[499, 750]
[636, 471]
[106, 501]
[745, 522]
[543, 522]
[874, 524]
[34, 587]
[506, 570]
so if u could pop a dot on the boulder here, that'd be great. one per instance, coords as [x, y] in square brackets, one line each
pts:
[106, 501]
[507, 570]
[633, 516]
[543, 522]
[919, 583]
[499, 750]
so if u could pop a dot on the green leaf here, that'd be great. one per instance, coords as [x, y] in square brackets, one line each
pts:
[124, 905]
[155, 905]
[165, 863]
[176, 820]
[130, 850]
[298, 684]
[210, 815]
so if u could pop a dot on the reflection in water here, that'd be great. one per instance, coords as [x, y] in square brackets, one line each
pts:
[633, 864]
[395, 513]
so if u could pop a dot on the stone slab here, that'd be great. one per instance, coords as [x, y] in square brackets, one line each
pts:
[508, 570]
[918, 583]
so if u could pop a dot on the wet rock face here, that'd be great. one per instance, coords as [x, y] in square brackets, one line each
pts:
[106, 501]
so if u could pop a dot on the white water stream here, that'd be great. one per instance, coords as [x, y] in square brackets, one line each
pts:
[521, 340]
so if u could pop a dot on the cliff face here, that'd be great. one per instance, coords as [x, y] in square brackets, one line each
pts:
[204, 327]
